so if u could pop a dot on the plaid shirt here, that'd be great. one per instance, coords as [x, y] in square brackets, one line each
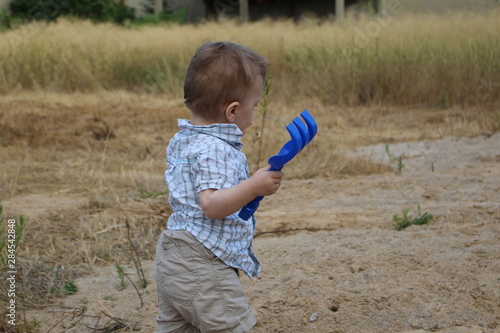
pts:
[210, 157]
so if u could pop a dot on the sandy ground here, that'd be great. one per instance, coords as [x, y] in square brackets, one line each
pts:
[333, 262]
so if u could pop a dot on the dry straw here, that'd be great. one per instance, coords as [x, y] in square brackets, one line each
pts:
[397, 60]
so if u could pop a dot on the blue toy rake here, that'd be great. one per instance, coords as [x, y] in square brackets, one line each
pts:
[301, 134]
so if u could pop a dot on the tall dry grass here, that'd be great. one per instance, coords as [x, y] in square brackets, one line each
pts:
[398, 60]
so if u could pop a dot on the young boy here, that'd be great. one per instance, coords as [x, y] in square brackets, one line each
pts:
[206, 243]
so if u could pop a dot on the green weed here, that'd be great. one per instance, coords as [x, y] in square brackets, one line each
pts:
[151, 194]
[399, 160]
[70, 287]
[103, 254]
[446, 100]
[9, 245]
[22, 325]
[121, 275]
[406, 220]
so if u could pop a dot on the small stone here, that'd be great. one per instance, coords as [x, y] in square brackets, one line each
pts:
[492, 325]
[355, 268]
[313, 317]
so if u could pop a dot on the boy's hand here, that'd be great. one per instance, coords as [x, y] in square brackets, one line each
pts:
[266, 182]
[217, 204]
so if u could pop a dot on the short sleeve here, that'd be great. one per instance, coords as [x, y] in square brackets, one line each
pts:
[215, 168]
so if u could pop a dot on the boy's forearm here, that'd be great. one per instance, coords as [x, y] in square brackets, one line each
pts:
[218, 204]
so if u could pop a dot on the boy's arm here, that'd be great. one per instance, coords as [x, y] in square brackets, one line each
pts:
[217, 204]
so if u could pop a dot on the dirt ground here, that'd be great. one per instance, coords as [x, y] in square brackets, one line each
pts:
[79, 166]
[333, 262]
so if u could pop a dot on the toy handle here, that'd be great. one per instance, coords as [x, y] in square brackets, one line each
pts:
[249, 209]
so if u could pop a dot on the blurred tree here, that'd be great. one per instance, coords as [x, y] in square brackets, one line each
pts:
[167, 15]
[149, 6]
[49, 10]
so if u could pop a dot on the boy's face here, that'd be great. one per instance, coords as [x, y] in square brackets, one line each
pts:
[244, 116]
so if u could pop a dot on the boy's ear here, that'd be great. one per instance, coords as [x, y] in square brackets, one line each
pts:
[231, 111]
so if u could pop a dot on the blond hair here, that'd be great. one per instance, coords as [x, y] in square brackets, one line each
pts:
[220, 73]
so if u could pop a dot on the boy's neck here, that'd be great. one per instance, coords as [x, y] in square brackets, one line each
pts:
[200, 121]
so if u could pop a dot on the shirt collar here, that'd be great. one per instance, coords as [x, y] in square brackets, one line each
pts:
[229, 133]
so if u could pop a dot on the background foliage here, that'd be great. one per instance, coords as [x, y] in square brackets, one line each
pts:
[96, 10]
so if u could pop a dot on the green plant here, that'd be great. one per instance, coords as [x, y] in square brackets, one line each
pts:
[103, 254]
[70, 287]
[403, 222]
[399, 160]
[446, 100]
[121, 275]
[151, 194]
[22, 325]
[9, 245]
[406, 220]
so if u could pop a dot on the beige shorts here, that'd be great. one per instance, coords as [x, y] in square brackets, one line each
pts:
[197, 292]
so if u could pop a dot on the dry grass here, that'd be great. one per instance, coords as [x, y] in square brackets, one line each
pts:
[87, 163]
[399, 60]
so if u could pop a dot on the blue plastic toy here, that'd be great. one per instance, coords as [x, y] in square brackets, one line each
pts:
[301, 134]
